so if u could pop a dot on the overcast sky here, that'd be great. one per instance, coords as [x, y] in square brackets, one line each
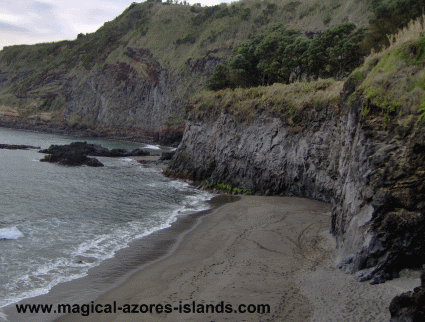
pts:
[29, 22]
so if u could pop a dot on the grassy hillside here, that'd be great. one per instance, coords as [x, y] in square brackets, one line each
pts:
[390, 83]
[37, 79]
[285, 101]
[175, 33]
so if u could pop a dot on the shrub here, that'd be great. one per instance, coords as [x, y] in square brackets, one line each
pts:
[291, 6]
[188, 39]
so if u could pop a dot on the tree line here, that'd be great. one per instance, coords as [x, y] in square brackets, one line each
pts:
[283, 55]
[388, 18]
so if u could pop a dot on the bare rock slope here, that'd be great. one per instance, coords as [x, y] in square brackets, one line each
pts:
[373, 178]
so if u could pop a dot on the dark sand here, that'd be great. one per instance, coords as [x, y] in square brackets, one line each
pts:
[258, 250]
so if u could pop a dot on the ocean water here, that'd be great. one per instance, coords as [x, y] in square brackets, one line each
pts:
[57, 222]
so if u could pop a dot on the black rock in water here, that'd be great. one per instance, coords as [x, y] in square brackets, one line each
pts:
[71, 157]
[93, 162]
[138, 152]
[409, 306]
[93, 150]
[18, 147]
[77, 153]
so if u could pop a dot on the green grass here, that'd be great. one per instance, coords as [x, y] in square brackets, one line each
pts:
[173, 35]
[310, 10]
[227, 188]
[421, 111]
[144, 25]
[282, 100]
[291, 6]
[393, 81]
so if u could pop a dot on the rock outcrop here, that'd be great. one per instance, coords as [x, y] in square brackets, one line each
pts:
[137, 94]
[72, 157]
[374, 178]
[17, 147]
[135, 98]
[77, 153]
[133, 76]
[409, 306]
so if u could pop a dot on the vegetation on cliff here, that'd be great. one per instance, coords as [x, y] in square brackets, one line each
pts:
[358, 144]
[47, 82]
[392, 81]
[388, 18]
[289, 102]
[283, 55]
[221, 187]
[162, 53]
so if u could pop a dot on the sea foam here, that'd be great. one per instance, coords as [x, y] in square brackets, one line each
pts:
[10, 233]
[152, 147]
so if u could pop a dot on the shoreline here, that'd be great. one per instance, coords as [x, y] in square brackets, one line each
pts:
[113, 271]
[290, 234]
[285, 260]
[69, 290]
[134, 135]
[256, 250]
[78, 133]
[152, 160]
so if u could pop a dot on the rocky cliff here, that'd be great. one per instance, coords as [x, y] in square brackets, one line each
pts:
[373, 177]
[138, 95]
[134, 75]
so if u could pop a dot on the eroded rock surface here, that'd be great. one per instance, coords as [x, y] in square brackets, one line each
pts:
[374, 179]
[409, 306]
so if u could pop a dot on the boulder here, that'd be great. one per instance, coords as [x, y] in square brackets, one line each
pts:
[409, 306]
[167, 155]
[71, 157]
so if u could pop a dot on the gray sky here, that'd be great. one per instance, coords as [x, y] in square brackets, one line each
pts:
[30, 22]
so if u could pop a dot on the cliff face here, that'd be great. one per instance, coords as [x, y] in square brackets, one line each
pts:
[373, 178]
[135, 73]
[136, 94]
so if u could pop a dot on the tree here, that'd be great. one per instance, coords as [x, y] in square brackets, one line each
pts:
[241, 71]
[298, 52]
[276, 59]
[283, 55]
[220, 78]
[388, 18]
[346, 53]
[243, 63]
[337, 52]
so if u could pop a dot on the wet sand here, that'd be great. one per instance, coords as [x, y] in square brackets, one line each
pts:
[257, 250]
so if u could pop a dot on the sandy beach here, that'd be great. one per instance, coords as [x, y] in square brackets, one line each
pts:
[274, 251]
[258, 250]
